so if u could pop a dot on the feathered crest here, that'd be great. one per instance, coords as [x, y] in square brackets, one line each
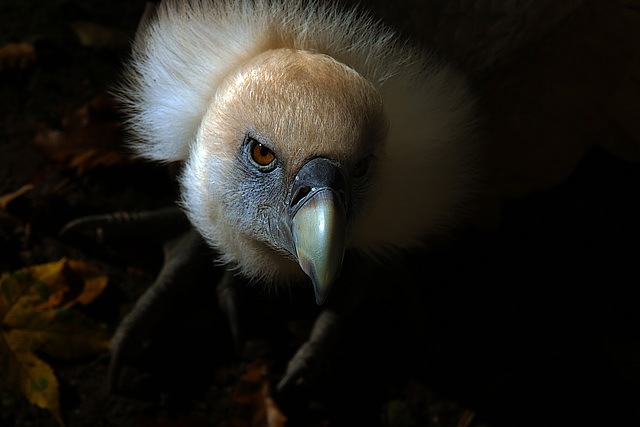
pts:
[184, 48]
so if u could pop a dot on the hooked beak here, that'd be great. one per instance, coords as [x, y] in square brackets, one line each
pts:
[319, 223]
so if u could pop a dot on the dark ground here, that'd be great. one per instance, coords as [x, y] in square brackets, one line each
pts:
[535, 323]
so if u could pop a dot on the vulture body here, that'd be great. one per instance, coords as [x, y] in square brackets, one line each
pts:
[309, 129]
[305, 130]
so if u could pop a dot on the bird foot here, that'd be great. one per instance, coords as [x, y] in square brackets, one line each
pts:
[184, 251]
[156, 225]
[346, 298]
[182, 257]
[228, 301]
[308, 361]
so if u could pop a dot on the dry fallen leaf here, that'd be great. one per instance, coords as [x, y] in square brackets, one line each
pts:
[257, 407]
[90, 137]
[5, 199]
[36, 316]
[17, 55]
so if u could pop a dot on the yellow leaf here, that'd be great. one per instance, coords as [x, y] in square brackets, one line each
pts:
[31, 377]
[49, 282]
[94, 280]
[36, 314]
[59, 283]
[58, 332]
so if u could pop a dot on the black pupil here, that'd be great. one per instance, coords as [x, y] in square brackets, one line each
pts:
[264, 151]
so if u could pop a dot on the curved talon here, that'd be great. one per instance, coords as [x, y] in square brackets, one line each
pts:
[307, 361]
[161, 223]
[300, 368]
[228, 302]
[181, 255]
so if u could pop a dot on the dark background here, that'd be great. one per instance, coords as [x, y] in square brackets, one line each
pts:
[529, 319]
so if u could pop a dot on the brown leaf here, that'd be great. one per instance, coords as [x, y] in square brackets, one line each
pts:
[68, 282]
[8, 198]
[94, 281]
[17, 55]
[90, 137]
[257, 408]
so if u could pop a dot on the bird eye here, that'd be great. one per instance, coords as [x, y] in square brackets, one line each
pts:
[262, 156]
[361, 167]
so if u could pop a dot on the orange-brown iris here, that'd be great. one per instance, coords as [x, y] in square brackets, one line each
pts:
[262, 155]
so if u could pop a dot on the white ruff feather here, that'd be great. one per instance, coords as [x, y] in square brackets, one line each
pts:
[188, 48]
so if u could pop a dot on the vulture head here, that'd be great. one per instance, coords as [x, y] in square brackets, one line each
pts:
[283, 162]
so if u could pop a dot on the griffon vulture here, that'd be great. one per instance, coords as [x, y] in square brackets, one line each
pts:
[307, 129]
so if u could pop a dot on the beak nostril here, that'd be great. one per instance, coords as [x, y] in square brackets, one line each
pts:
[300, 194]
